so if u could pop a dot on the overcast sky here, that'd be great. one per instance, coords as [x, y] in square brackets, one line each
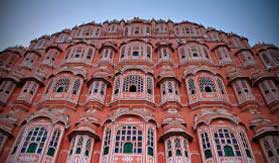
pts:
[24, 20]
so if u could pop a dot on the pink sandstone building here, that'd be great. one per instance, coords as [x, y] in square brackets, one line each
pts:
[140, 91]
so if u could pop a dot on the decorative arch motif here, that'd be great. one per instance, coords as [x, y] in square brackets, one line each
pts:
[144, 114]
[54, 115]
[193, 70]
[108, 44]
[207, 116]
[74, 71]
[143, 69]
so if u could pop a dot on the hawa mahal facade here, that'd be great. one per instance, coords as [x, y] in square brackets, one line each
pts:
[140, 91]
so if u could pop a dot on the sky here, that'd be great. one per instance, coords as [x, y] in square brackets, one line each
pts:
[24, 20]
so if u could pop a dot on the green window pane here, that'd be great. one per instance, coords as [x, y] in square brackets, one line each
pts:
[228, 151]
[51, 151]
[207, 153]
[150, 151]
[128, 148]
[106, 150]
[178, 153]
[32, 148]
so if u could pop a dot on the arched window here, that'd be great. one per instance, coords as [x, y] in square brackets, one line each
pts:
[244, 86]
[206, 145]
[224, 55]
[241, 87]
[29, 60]
[148, 51]
[132, 88]
[117, 86]
[129, 139]
[191, 86]
[221, 86]
[169, 148]
[247, 58]
[53, 143]
[207, 84]
[103, 87]
[163, 88]
[78, 52]
[177, 144]
[135, 53]
[149, 85]
[18, 141]
[88, 147]
[96, 87]
[62, 85]
[35, 140]
[76, 86]
[194, 51]
[268, 87]
[107, 142]
[72, 146]
[170, 88]
[176, 88]
[135, 50]
[50, 57]
[29, 87]
[226, 143]
[133, 83]
[268, 149]
[150, 142]
[245, 144]
[164, 53]
[79, 145]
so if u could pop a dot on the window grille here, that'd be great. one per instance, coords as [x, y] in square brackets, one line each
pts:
[53, 143]
[206, 145]
[245, 145]
[150, 142]
[35, 140]
[107, 141]
[129, 139]
[226, 143]
[62, 85]
[207, 84]
[191, 86]
[133, 83]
